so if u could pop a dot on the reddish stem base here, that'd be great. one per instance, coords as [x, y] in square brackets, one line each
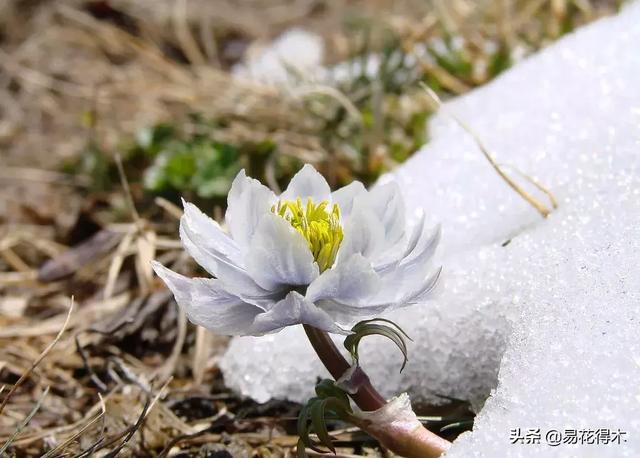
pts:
[416, 442]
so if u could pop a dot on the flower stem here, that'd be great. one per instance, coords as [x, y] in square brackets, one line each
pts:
[412, 441]
[367, 397]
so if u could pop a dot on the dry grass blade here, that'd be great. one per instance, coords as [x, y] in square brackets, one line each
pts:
[116, 262]
[44, 353]
[445, 78]
[221, 418]
[25, 422]
[149, 404]
[334, 455]
[132, 431]
[535, 203]
[87, 366]
[39, 79]
[534, 182]
[89, 450]
[43, 176]
[14, 260]
[89, 312]
[201, 354]
[187, 42]
[127, 191]
[165, 371]
[171, 208]
[63, 445]
[319, 89]
[146, 250]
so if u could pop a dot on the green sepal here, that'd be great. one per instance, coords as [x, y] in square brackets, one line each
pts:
[372, 327]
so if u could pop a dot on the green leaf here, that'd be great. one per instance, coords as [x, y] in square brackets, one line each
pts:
[331, 402]
[153, 139]
[320, 426]
[327, 389]
[217, 165]
[500, 61]
[303, 423]
[300, 449]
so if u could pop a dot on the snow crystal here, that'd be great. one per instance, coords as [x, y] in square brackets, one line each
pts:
[552, 305]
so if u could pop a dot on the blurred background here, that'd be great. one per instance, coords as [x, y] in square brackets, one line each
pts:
[112, 110]
[189, 91]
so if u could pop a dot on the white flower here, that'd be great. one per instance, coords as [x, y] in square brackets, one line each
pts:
[309, 256]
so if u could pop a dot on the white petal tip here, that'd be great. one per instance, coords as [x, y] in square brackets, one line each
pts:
[156, 266]
[163, 272]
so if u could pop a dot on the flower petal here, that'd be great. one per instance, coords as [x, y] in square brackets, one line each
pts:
[292, 310]
[208, 304]
[248, 201]
[417, 234]
[396, 297]
[425, 249]
[345, 196]
[279, 255]
[210, 233]
[235, 278]
[401, 289]
[387, 203]
[307, 183]
[412, 279]
[409, 282]
[349, 281]
[363, 234]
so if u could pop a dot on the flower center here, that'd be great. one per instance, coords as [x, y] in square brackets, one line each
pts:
[318, 223]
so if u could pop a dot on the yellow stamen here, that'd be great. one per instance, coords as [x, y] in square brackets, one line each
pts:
[318, 223]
